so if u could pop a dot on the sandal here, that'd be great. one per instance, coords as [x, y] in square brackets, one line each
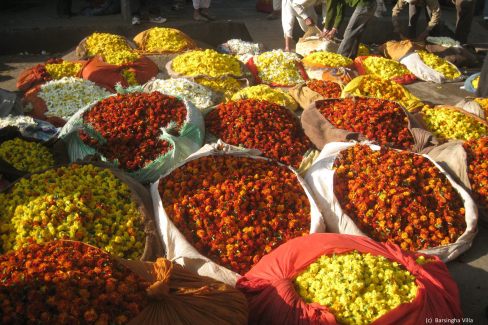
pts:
[199, 17]
[204, 13]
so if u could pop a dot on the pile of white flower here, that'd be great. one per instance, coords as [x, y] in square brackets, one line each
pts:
[64, 97]
[278, 67]
[17, 121]
[197, 94]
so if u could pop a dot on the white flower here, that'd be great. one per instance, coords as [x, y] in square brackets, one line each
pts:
[64, 97]
[240, 47]
[183, 88]
[278, 67]
[17, 121]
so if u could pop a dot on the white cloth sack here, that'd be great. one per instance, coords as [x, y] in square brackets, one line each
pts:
[320, 178]
[472, 107]
[179, 250]
[422, 71]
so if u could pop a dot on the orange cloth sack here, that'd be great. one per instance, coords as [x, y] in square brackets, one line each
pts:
[108, 75]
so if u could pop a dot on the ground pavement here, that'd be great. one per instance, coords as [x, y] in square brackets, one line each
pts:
[35, 28]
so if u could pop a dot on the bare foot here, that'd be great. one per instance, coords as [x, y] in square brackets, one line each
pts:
[198, 17]
[206, 14]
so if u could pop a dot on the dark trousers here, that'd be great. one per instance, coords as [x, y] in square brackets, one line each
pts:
[465, 13]
[414, 13]
[355, 28]
[483, 84]
[145, 7]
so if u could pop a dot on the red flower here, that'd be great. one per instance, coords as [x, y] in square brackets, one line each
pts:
[234, 210]
[399, 197]
[132, 124]
[262, 125]
[327, 89]
[477, 156]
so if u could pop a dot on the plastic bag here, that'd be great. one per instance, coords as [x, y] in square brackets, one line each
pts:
[421, 70]
[473, 107]
[468, 83]
[320, 178]
[9, 103]
[189, 140]
[180, 250]
[273, 299]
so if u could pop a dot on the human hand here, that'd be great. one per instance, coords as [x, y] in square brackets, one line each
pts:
[330, 35]
[309, 22]
[422, 36]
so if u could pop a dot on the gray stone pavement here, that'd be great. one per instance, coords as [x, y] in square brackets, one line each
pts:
[39, 29]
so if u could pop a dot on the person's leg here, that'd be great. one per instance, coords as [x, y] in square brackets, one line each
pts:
[287, 23]
[465, 13]
[196, 11]
[482, 90]
[355, 28]
[204, 5]
[413, 17]
[276, 10]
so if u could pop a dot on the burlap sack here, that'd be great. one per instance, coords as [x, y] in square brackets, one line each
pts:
[321, 132]
[141, 39]
[56, 148]
[153, 247]
[307, 45]
[396, 50]
[82, 49]
[458, 56]
[304, 96]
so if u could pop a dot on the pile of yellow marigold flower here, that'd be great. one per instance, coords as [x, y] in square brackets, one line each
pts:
[84, 203]
[160, 39]
[384, 68]
[357, 288]
[63, 69]
[265, 92]
[440, 65]
[374, 86]
[450, 124]
[326, 59]
[227, 86]
[206, 62]
[25, 155]
[114, 49]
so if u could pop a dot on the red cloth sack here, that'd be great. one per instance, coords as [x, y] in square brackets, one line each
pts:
[403, 80]
[108, 75]
[273, 299]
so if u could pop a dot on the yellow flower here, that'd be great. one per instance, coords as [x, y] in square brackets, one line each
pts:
[439, 64]
[130, 77]
[264, 92]
[161, 39]
[227, 86]
[63, 69]
[363, 50]
[357, 288]
[384, 68]
[113, 48]
[327, 59]
[26, 155]
[450, 124]
[476, 82]
[208, 63]
[84, 203]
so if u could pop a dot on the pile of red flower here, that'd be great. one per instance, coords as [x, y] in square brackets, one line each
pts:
[477, 156]
[131, 125]
[262, 125]
[399, 197]
[234, 210]
[327, 89]
[377, 119]
[65, 282]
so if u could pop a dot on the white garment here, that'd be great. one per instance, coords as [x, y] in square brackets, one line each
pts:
[276, 5]
[299, 9]
[201, 4]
